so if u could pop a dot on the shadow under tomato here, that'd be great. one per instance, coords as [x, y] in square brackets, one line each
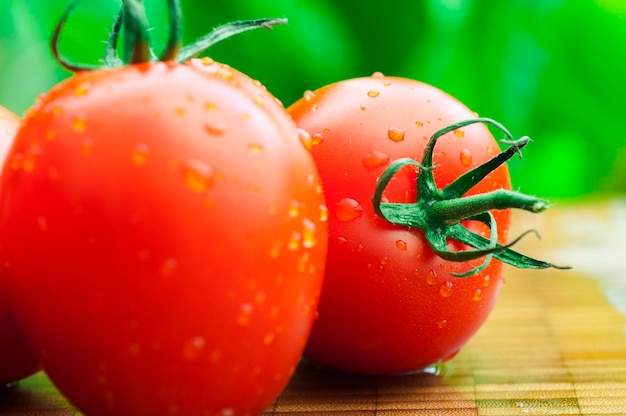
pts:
[314, 390]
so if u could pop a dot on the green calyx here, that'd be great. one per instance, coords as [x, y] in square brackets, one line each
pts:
[132, 24]
[439, 212]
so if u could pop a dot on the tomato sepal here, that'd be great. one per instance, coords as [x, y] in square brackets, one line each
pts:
[439, 212]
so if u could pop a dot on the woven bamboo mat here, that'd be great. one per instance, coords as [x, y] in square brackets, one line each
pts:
[555, 344]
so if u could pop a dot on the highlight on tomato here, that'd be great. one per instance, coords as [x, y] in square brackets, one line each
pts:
[419, 201]
[17, 357]
[163, 230]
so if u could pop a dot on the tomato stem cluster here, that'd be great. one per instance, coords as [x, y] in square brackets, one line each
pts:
[132, 23]
[439, 212]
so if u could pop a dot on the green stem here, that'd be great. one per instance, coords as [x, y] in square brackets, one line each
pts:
[136, 46]
[439, 212]
[174, 42]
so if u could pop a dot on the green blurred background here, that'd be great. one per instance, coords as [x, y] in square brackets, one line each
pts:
[550, 69]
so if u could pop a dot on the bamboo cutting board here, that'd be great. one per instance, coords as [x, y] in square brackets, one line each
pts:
[555, 343]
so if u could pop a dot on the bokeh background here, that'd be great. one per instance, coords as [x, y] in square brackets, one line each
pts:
[554, 70]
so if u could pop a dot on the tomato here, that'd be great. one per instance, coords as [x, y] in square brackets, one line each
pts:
[390, 302]
[174, 228]
[17, 358]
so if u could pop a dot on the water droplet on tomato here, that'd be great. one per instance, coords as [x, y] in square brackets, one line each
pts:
[459, 133]
[275, 250]
[79, 124]
[323, 213]
[401, 244]
[269, 338]
[179, 111]
[395, 134]
[489, 149]
[375, 159]
[86, 146]
[245, 314]
[193, 348]
[198, 176]
[431, 278]
[378, 75]
[305, 138]
[316, 139]
[294, 241]
[82, 89]
[315, 107]
[373, 93]
[140, 154]
[207, 61]
[309, 236]
[213, 130]
[486, 280]
[168, 267]
[465, 157]
[478, 294]
[419, 123]
[442, 324]
[294, 209]
[347, 210]
[445, 289]
[342, 241]
[255, 148]
[210, 106]
[309, 95]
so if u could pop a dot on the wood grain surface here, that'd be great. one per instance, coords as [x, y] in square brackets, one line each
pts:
[555, 343]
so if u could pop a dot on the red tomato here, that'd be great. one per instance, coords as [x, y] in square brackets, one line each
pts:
[17, 358]
[390, 304]
[173, 226]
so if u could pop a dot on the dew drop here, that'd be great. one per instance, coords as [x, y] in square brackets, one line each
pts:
[419, 123]
[168, 267]
[210, 106]
[275, 250]
[395, 134]
[82, 89]
[323, 213]
[294, 241]
[378, 75]
[198, 176]
[255, 148]
[79, 124]
[316, 139]
[347, 210]
[245, 314]
[294, 209]
[431, 278]
[179, 111]
[315, 107]
[140, 154]
[489, 149]
[459, 133]
[375, 159]
[442, 324]
[86, 146]
[207, 61]
[213, 130]
[305, 138]
[486, 280]
[309, 95]
[478, 294]
[465, 157]
[401, 244]
[445, 289]
[373, 93]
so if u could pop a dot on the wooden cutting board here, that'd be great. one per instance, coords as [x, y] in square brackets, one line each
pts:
[555, 343]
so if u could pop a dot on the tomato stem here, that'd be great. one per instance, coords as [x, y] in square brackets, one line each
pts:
[439, 213]
[132, 20]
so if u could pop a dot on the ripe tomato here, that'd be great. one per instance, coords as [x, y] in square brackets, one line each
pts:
[173, 226]
[17, 358]
[390, 304]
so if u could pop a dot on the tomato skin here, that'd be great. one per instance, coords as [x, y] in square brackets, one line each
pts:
[17, 358]
[389, 304]
[174, 225]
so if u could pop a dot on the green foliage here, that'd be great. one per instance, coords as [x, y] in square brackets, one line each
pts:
[553, 69]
